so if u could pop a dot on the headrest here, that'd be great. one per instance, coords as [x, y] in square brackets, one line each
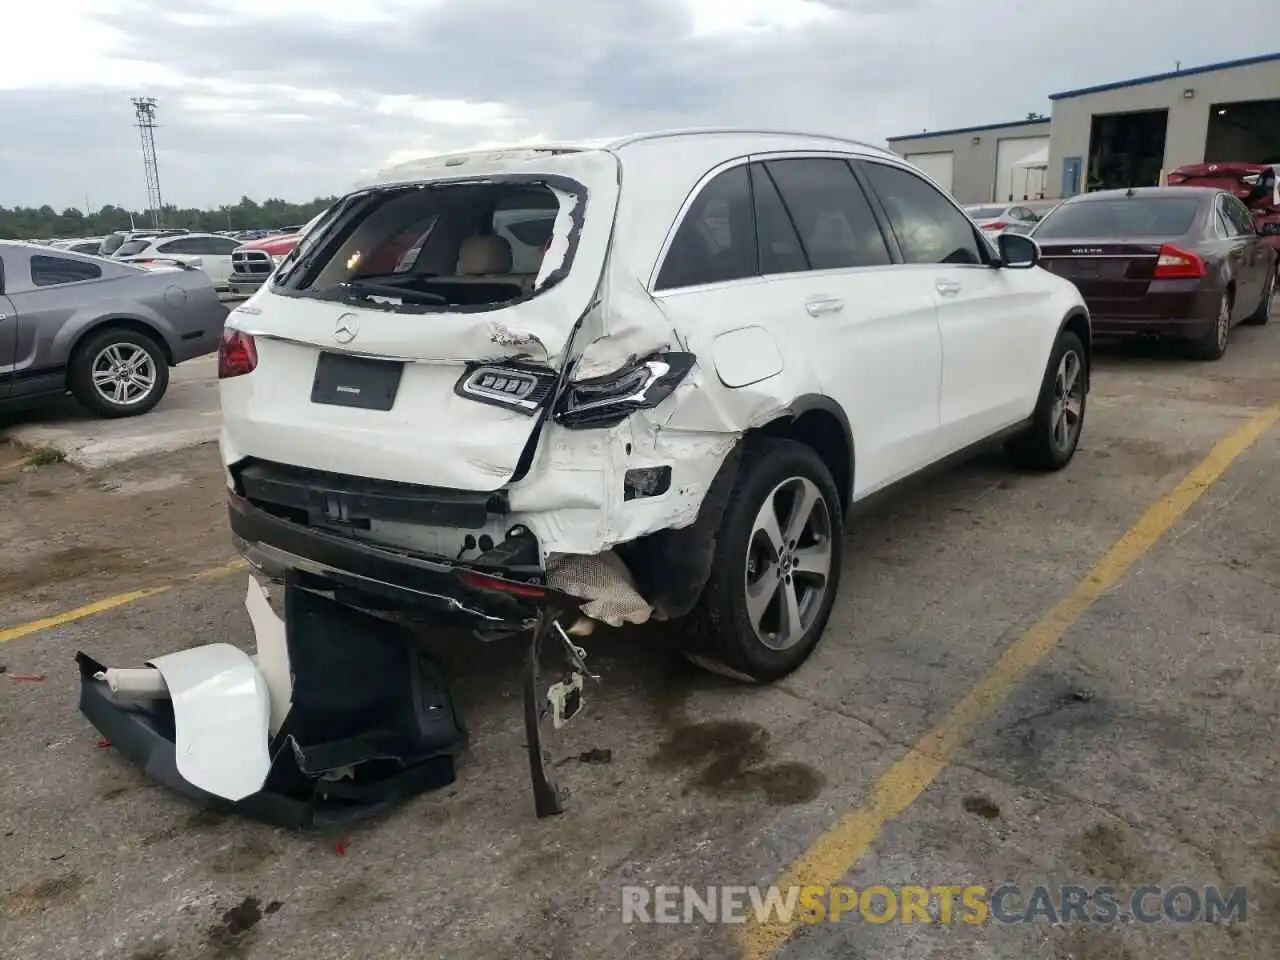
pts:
[488, 253]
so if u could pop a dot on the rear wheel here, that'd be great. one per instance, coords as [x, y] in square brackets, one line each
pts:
[1263, 313]
[1051, 440]
[1214, 343]
[118, 372]
[776, 569]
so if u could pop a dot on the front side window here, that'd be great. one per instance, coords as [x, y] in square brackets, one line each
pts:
[49, 271]
[836, 226]
[716, 240]
[928, 226]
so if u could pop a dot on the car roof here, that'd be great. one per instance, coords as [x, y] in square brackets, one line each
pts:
[754, 138]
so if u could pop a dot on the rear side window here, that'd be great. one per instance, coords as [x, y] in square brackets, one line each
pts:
[50, 271]
[1124, 217]
[836, 226]
[1239, 214]
[716, 241]
[131, 248]
[928, 226]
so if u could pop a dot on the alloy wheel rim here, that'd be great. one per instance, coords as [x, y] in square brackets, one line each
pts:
[123, 374]
[788, 567]
[1068, 401]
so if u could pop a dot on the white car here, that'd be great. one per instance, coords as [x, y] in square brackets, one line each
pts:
[209, 252]
[999, 217]
[649, 376]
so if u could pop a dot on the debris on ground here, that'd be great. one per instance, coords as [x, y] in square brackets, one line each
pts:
[32, 677]
[596, 755]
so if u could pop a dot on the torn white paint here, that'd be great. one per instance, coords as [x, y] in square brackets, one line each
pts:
[272, 655]
[221, 711]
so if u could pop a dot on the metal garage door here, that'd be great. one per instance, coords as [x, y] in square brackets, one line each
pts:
[1012, 182]
[936, 165]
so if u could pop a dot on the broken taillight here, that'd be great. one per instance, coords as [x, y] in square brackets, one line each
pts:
[1178, 264]
[237, 354]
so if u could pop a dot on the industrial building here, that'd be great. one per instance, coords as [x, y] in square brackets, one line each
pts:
[1129, 133]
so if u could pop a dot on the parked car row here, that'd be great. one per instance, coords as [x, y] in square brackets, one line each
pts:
[107, 331]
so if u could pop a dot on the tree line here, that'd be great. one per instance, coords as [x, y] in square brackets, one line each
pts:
[45, 223]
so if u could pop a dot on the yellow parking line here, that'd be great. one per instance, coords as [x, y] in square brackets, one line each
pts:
[110, 603]
[837, 851]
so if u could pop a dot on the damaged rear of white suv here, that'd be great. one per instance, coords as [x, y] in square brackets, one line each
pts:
[536, 390]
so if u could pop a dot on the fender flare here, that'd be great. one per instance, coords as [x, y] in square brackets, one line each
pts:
[810, 402]
[1081, 313]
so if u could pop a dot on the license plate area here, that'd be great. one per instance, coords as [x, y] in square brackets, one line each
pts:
[344, 381]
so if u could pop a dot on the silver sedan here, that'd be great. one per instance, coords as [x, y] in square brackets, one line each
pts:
[107, 332]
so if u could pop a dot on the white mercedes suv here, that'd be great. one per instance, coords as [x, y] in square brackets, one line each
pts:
[641, 378]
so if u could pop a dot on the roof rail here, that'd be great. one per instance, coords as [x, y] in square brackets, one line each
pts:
[748, 131]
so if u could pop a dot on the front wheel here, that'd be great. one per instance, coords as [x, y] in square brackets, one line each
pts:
[1051, 440]
[776, 569]
[118, 372]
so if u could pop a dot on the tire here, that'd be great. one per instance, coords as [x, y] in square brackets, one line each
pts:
[721, 633]
[1260, 316]
[139, 351]
[1051, 440]
[1214, 343]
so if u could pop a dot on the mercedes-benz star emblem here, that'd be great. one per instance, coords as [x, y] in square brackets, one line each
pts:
[345, 330]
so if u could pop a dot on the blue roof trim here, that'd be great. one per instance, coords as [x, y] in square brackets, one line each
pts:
[982, 129]
[1155, 77]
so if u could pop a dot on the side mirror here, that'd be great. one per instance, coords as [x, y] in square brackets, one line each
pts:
[1017, 251]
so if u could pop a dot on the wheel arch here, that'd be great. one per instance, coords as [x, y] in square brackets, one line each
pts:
[1078, 322]
[819, 423]
[121, 321]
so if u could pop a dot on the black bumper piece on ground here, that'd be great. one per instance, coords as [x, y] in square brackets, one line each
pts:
[364, 698]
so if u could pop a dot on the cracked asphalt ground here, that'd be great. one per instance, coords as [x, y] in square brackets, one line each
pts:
[1140, 749]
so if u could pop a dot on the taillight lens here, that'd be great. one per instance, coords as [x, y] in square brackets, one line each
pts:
[237, 354]
[1176, 263]
[998, 225]
[1176, 178]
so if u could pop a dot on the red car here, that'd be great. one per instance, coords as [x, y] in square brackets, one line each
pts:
[252, 263]
[1256, 185]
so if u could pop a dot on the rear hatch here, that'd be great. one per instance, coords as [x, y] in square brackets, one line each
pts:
[1257, 184]
[418, 332]
[1110, 248]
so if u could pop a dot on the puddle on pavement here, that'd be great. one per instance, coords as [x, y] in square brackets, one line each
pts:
[730, 756]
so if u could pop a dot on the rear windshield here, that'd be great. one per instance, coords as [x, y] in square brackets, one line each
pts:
[984, 213]
[111, 244]
[1122, 217]
[440, 246]
[132, 247]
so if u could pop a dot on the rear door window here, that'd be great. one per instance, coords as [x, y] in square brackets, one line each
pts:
[831, 214]
[1124, 217]
[716, 240]
[928, 226]
[49, 271]
[780, 249]
[1239, 215]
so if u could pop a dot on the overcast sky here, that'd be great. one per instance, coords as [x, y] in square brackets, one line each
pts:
[296, 98]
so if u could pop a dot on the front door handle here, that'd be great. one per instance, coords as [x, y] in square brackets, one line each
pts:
[820, 305]
[948, 288]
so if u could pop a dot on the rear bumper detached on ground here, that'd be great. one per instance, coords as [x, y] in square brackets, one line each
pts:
[327, 752]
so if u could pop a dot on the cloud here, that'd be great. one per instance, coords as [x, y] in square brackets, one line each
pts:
[295, 98]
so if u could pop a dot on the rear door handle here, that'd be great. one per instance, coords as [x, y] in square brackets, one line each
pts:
[820, 305]
[948, 288]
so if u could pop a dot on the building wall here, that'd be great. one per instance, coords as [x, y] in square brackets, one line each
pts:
[1188, 118]
[973, 176]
